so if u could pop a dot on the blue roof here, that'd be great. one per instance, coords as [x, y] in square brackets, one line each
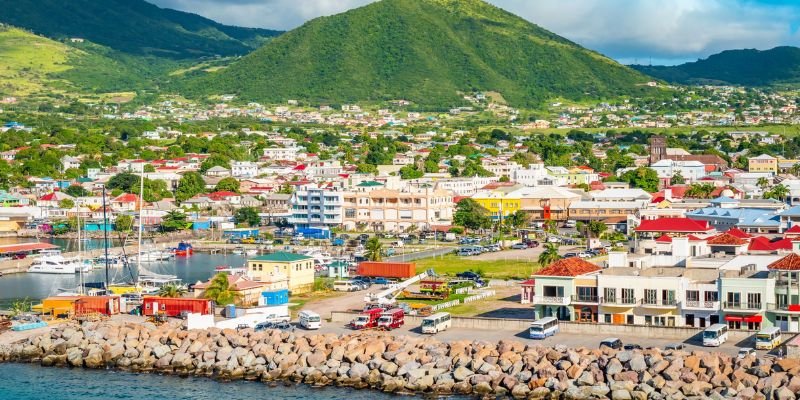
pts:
[792, 212]
[723, 199]
[745, 216]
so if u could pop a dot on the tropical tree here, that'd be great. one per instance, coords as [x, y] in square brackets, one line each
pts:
[219, 290]
[677, 179]
[763, 183]
[76, 191]
[171, 290]
[190, 185]
[20, 306]
[123, 223]
[66, 204]
[551, 226]
[228, 184]
[643, 178]
[596, 228]
[174, 220]
[471, 215]
[517, 220]
[247, 215]
[778, 192]
[700, 190]
[549, 255]
[374, 249]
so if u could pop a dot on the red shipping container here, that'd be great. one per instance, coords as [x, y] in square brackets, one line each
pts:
[106, 305]
[174, 307]
[376, 269]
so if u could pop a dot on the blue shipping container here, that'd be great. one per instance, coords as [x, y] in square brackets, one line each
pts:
[230, 311]
[275, 297]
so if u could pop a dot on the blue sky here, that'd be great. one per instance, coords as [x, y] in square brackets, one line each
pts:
[664, 31]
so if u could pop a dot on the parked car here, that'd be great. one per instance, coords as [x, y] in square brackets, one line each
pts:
[613, 343]
[570, 255]
[519, 246]
[744, 352]
[554, 239]
[675, 346]
[468, 275]
[533, 244]
[494, 247]
[584, 254]
[380, 281]
[632, 346]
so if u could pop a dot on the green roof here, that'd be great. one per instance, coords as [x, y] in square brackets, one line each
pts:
[369, 183]
[281, 256]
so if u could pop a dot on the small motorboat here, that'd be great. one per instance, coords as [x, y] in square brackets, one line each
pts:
[183, 249]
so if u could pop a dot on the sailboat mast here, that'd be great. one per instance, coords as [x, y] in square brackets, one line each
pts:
[105, 233]
[141, 221]
[80, 249]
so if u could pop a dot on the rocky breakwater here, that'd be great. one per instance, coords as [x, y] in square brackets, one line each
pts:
[410, 365]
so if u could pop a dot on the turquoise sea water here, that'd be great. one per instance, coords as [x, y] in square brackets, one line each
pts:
[32, 382]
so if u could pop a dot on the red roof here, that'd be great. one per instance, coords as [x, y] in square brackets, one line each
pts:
[795, 229]
[664, 239]
[52, 196]
[573, 266]
[789, 263]
[682, 225]
[126, 198]
[221, 195]
[19, 248]
[782, 244]
[726, 239]
[495, 185]
[299, 167]
[529, 282]
[738, 233]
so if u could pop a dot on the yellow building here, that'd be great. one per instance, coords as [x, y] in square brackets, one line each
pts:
[498, 202]
[763, 163]
[299, 269]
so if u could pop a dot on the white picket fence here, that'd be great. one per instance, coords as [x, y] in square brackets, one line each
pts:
[482, 295]
[440, 306]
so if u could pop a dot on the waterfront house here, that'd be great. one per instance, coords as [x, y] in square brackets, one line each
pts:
[298, 268]
[567, 290]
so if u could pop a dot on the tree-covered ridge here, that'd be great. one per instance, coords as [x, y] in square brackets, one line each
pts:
[427, 51]
[748, 67]
[132, 26]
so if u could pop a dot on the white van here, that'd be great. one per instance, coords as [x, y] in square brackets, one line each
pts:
[309, 320]
[345, 286]
[436, 323]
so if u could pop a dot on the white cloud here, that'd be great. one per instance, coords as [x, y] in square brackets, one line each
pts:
[628, 30]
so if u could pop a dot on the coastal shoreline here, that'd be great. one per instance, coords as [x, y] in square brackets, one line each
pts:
[407, 365]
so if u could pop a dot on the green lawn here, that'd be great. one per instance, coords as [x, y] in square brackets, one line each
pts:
[498, 269]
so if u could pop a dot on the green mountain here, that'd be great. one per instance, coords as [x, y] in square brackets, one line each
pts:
[132, 26]
[747, 67]
[37, 66]
[427, 51]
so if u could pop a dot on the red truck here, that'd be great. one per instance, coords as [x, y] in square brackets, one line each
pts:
[391, 319]
[367, 319]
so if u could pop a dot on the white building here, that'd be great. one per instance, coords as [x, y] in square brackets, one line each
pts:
[315, 207]
[282, 153]
[244, 169]
[689, 170]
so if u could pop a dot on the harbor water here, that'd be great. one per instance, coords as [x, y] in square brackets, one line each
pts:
[198, 267]
[33, 382]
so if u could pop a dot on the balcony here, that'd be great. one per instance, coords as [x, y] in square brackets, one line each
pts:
[737, 305]
[658, 303]
[783, 308]
[701, 305]
[618, 301]
[554, 300]
[584, 299]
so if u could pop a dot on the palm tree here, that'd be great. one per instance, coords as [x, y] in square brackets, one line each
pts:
[779, 192]
[549, 255]
[219, 290]
[171, 290]
[374, 249]
[762, 182]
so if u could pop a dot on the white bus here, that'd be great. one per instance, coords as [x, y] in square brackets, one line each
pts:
[715, 335]
[768, 339]
[310, 320]
[543, 328]
[436, 323]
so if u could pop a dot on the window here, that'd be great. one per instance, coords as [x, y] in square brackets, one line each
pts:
[668, 297]
[587, 293]
[734, 299]
[610, 295]
[628, 297]
[650, 296]
[692, 295]
[554, 291]
[754, 301]
[781, 300]
[711, 296]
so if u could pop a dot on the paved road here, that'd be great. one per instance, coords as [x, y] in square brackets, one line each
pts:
[568, 339]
